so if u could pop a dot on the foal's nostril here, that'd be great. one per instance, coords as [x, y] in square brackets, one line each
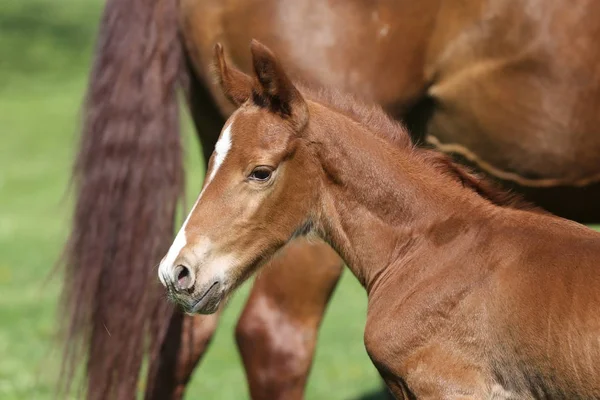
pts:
[183, 277]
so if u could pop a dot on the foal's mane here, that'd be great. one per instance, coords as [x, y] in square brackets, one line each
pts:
[381, 124]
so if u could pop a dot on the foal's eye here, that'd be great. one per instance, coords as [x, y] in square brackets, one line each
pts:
[260, 174]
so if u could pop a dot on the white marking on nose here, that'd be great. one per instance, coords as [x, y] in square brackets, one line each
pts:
[166, 264]
[221, 149]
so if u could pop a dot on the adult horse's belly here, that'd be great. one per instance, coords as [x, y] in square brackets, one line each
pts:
[516, 87]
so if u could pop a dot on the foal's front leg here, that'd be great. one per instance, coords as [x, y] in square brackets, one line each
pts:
[277, 331]
[437, 370]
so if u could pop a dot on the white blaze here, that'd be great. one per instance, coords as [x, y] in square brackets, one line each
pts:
[221, 149]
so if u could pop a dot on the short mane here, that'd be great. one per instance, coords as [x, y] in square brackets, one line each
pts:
[379, 122]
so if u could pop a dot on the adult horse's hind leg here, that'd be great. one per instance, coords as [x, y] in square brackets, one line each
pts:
[277, 331]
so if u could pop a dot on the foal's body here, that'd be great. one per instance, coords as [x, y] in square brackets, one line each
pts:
[498, 325]
[467, 298]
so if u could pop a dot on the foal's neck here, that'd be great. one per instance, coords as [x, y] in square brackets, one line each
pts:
[381, 202]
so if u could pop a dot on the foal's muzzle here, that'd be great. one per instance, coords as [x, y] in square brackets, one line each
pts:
[192, 296]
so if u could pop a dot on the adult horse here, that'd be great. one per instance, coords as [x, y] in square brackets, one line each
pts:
[511, 86]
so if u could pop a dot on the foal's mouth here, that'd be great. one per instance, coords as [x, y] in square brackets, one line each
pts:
[207, 303]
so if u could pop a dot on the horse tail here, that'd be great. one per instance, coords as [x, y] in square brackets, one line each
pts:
[128, 179]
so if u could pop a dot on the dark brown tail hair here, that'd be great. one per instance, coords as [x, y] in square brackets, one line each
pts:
[128, 178]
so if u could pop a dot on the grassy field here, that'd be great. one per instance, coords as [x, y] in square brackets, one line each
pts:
[45, 49]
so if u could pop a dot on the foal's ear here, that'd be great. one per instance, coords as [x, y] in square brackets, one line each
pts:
[236, 85]
[276, 90]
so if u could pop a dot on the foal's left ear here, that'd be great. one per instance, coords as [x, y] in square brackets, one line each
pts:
[236, 85]
[276, 89]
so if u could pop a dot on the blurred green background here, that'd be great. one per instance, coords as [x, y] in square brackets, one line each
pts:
[45, 53]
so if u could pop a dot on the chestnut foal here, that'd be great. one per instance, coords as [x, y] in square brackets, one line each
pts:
[466, 299]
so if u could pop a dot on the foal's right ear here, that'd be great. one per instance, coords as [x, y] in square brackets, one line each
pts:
[236, 85]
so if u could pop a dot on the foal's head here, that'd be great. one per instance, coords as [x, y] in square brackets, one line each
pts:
[259, 190]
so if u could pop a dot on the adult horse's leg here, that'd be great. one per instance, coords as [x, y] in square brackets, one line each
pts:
[187, 340]
[277, 331]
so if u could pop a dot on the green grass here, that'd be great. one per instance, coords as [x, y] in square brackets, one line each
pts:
[46, 48]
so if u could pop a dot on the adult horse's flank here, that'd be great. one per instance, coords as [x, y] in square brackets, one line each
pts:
[466, 298]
